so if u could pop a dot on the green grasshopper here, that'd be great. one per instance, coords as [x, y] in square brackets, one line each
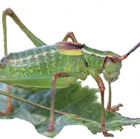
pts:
[57, 66]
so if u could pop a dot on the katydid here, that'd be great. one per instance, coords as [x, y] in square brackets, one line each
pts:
[58, 66]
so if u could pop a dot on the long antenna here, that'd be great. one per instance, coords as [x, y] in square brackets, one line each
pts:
[127, 54]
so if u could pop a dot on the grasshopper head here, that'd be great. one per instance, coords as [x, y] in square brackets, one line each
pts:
[113, 63]
[112, 67]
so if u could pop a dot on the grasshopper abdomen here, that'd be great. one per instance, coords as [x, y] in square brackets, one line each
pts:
[35, 64]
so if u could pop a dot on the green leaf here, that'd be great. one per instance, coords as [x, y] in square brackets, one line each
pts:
[75, 99]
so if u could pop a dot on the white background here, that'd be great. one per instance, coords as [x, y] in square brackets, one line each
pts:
[102, 24]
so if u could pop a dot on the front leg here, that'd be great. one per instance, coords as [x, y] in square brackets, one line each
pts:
[114, 108]
[102, 90]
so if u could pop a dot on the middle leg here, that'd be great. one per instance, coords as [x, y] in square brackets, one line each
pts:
[78, 75]
[102, 89]
[109, 107]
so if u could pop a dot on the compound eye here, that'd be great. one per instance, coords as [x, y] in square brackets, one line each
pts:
[115, 58]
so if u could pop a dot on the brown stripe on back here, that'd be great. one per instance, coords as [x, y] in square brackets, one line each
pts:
[69, 48]
[70, 45]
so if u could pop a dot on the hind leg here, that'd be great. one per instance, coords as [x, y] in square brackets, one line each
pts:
[37, 42]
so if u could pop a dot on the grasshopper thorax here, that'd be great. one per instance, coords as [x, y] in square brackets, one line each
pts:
[111, 69]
